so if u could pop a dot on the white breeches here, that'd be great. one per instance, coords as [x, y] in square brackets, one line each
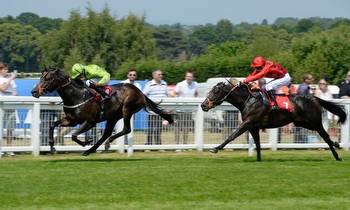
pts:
[277, 83]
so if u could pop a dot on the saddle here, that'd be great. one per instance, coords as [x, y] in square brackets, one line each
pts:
[282, 101]
[101, 92]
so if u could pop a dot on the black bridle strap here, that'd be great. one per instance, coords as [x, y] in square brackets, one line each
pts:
[229, 92]
[65, 84]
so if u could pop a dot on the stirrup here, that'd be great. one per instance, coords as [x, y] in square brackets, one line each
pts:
[274, 107]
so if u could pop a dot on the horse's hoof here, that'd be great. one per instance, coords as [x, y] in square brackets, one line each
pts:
[52, 150]
[214, 150]
[339, 159]
[86, 153]
[107, 146]
[336, 144]
[88, 142]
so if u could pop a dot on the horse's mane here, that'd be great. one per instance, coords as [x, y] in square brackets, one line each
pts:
[78, 83]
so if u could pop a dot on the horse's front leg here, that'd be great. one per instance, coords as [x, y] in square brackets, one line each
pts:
[63, 123]
[82, 129]
[241, 129]
[256, 137]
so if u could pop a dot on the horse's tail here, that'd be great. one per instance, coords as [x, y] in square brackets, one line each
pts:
[334, 108]
[155, 108]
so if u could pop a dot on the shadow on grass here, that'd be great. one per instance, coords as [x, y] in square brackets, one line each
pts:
[271, 159]
[98, 160]
[286, 160]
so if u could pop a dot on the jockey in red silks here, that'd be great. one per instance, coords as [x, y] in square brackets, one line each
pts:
[265, 68]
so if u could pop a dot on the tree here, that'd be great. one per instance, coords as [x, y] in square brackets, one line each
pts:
[324, 54]
[98, 38]
[224, 29]
[19, 46]
[201, 38]
[304, 25]
[170, 42]
[136, 37]
[43, 24]
[264, 22]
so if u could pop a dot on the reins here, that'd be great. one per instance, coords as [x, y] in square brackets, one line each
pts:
[65, 84]
[77, 105]
[232, 89]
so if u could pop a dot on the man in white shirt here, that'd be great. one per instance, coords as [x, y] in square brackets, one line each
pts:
[131, 78]
[8, 88]
[7, 84]
[155, 89]
[186, 89]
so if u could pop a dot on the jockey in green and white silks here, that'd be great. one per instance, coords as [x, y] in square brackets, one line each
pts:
[96, 77]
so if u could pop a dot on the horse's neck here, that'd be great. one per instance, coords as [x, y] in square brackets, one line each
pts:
[72, 95]
[239, 101]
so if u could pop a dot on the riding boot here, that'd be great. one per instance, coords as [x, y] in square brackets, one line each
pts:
[265, 99]
[105, 97]
[272, 99]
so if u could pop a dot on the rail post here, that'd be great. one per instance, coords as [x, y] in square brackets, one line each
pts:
[198, 128]
[36, 129]
[345, 129]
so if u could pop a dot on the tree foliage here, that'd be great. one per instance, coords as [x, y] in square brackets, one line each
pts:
[19, 46]
[98, 38]
[319, 46]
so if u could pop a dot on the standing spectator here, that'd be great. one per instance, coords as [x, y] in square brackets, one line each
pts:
[324, 93]
[303, 89]
[185, 89]
[131, 78]
[155, 89]
[8, 88]
[344, 88]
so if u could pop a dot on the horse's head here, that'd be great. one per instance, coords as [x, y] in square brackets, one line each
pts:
[216, 96]
[50, 80]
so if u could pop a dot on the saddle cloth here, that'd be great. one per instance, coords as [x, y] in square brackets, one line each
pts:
[284, 103]
[107, 89]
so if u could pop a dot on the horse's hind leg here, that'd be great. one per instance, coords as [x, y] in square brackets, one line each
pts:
[330, 143]
[108, 131]
[126, 130]
[256, 137]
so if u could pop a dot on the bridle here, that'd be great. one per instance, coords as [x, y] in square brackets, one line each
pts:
[211, 102]
[65, 84]
[69, 81]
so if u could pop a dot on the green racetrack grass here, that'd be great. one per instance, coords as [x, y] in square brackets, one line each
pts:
[303, 179]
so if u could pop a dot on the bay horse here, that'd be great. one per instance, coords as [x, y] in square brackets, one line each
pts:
[80, 107]
[307, 113]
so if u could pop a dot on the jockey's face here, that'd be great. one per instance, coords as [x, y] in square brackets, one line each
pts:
[259, 68]
[81, 76]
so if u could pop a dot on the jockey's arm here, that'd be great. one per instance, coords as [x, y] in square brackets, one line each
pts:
[254, 77]
[260, 74]
[104, 80]
[99, 72]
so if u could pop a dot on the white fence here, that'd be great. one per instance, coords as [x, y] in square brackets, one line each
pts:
[25, 123]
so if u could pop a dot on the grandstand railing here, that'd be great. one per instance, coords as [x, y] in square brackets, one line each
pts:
[25, 123]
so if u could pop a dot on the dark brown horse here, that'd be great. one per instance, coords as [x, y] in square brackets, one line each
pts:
[307, 113]
[80, 106]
